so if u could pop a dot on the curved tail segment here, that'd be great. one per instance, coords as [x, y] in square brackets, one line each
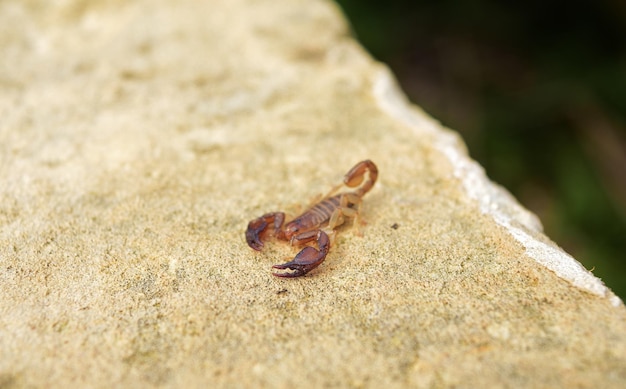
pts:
[356, 177]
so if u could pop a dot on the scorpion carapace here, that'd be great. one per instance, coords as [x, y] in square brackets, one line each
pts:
[314, 225]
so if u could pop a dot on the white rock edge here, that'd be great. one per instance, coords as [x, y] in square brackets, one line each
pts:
[492, 199]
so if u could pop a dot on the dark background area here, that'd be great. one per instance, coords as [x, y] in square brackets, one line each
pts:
[538, 91]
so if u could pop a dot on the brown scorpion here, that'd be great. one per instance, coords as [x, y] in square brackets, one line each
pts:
[311, 225]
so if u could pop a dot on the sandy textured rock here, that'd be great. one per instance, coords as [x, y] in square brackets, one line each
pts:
[137, 139]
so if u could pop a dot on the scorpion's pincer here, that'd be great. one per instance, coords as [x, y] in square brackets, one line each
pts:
[307, 259]
[255, 228]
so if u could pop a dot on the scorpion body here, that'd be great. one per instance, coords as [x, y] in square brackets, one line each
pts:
[311, 225]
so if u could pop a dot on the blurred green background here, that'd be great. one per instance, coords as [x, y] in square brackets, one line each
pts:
[538, 91]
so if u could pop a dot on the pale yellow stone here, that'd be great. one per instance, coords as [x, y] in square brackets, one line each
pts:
[137, 139]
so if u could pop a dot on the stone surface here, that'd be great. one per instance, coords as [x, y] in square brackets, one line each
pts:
[137, 139]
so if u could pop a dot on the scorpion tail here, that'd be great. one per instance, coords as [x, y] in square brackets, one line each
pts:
[356, 177]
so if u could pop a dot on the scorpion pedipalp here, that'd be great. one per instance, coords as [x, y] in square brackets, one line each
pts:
[308, 258]
[255, 228]
[258, 226]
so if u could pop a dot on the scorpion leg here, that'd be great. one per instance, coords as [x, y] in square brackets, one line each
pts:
[349, 207]
[309, 258]
[257, 228]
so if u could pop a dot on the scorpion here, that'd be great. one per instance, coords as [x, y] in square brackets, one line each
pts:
[313, 224]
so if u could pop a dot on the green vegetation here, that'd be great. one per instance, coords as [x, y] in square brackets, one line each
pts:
[538, 91]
